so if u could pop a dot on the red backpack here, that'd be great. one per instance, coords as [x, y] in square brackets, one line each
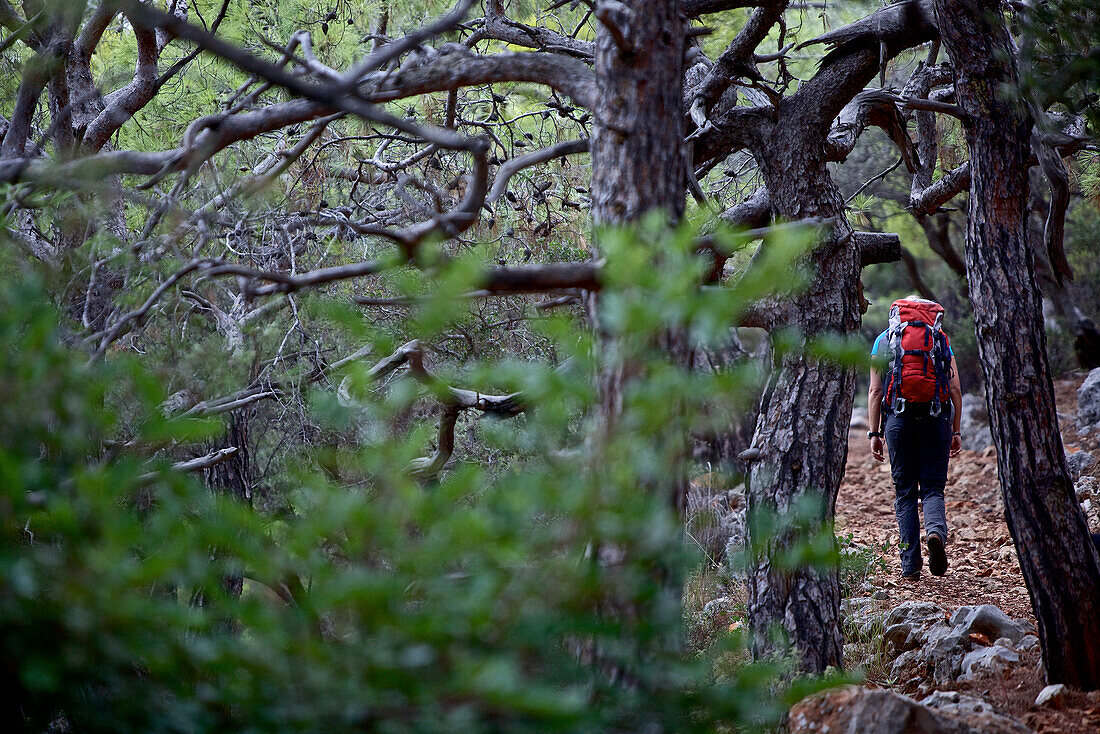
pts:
[920, 369]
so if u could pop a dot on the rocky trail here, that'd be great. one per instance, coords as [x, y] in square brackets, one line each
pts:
[933, 641]
[957, 653]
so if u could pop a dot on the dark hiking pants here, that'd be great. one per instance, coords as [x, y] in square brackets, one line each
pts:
[919, 445]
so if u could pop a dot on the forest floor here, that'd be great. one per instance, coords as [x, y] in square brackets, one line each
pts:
[984, 568]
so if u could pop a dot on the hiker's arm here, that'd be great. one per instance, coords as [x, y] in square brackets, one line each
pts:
[874, 414]
[956, 396]
[874, 401]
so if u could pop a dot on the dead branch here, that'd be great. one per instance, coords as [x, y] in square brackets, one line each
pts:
[231, 402]
[455, 69]
[513, 166]
[427, 467]
[897, 26]
[1054, 229]
[870, 107]
[381, 56]
[737, 61]
[502, 28]
[197, 464]
[931, 198]
[135, 317]
[877, 247]
[916, 103]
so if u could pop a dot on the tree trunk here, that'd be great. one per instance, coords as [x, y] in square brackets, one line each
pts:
[1086, 337]
[233, 477]
[637, 146]
[1059, 563]
[637, 168]
[637, 138]
[802, 431]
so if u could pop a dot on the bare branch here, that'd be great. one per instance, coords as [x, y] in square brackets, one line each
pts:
[930, 199]
[511, 167]
[755, 211]
[1054, 229]
[120, 105]
[392, 50]
[870, 107]
[859, 50]
[543, 278]
[280, 282]
[877, 247]
[135, 317]
[331, 97]
[231, 402]
[501, 28]
[428, 467]
[898, 26]
[457, 68]
[916, 103]
[197, 464]
[737, 60]
[874, 179]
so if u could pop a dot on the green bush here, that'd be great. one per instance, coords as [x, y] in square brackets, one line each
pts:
[542, 596]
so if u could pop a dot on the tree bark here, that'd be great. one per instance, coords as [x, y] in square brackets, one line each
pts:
[1059, 563]
[235, 476]
[801, 441]
[803, 425]
[637, 140]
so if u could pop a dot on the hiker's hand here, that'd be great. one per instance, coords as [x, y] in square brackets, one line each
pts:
[956, 445]
[876, 448]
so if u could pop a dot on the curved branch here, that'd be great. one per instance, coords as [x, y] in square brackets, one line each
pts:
[737, 60]
[455, 69]
[513, 166]
[197, 464]
[505, 29]
[452, 223]
[392, 50]
[898, 26]
[427, 467]
[1054, 229]
[859, 50]
[931, 198]
[870, 107]
[755, 211]
[120, 105]
[135, 317]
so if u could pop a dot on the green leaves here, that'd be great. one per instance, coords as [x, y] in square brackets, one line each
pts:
[495, 595]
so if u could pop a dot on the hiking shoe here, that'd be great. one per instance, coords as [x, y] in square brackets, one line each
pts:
[937, 556]
[910, 578]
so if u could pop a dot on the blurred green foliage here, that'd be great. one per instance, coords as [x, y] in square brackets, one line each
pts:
[542, 595]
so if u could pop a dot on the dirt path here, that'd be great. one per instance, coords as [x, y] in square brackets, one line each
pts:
[984, 568]
[983, 560]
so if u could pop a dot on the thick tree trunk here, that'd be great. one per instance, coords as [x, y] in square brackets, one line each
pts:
[637, 146]
[1059, 563]
[637, 168]
[802, 431]
[637, 138]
